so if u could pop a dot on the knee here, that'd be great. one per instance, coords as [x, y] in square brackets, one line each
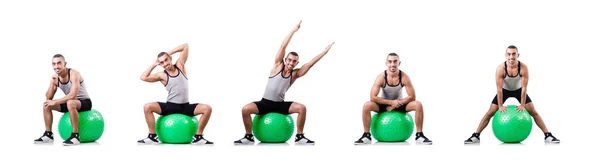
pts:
[246, 110]
[46, 108]
[301, 108]
[367, 106]
[419, 105]
[207, 109]
[148, 108]
[72, 105]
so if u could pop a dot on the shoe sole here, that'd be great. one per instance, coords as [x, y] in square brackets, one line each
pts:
[425, 143]
[36, 142]
[471, 142]
[65, 144]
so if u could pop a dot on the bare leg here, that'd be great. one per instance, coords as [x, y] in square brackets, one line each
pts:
[366, 114]
[205, 110]
[73, 107]
[48, 116]
[149, 109]
[486, 118]
[247, 111]
[301, 110]
[536, 116]
[418, 108]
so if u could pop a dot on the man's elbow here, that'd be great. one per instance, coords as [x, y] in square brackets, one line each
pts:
[373, 98]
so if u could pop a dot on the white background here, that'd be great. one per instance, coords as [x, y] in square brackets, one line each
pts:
[450, 49]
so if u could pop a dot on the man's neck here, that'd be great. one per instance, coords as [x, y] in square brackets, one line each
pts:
[64, 74]
[172, 69]
[393, 74]
[286, 70]
[512, 66]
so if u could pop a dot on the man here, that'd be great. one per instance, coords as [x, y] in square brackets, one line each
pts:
[76, 99]
[512, 77]
[282, 76]
[174, 79]
[391, 82]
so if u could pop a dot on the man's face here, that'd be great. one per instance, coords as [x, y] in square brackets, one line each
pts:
[291, 61]
[58, 64]
[392, 62]
[512, 55]
[165, 61]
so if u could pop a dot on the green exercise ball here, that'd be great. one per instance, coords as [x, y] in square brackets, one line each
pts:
[512, 126]
[273, 127]
[91, 126]
[176, 128]
[392, 126]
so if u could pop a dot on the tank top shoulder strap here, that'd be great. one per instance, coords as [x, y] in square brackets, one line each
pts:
[400, 77]
[519, 68]
[505, 69]
[385, 78]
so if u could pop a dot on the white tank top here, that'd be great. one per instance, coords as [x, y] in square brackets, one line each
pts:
[66, 87]
[392, 92]
[512, 83]
[277, 86]
[177, 86]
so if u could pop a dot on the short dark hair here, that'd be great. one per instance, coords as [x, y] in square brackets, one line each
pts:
[512, 47]
[294, 53]
[162, 54]
[59, 56]
[392, 54]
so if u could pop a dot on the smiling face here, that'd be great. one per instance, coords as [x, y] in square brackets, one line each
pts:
[291, 60]
[392, 62]
[164, 60]
[59, 64]
[512, 54]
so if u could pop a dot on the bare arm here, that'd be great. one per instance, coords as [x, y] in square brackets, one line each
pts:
[410, 90]
[147, 77]
[379, 82]
[286, 41]
[184, 54]
[525, 79]
[52, 88]
[499, 83]
[75, 83]
[304, 69]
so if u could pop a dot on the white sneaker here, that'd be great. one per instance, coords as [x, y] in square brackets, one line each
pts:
[199, 139]
[46, 138]
[473, 139]
[365, 139]
[149, 140]
[301, 139]
[247, 139]
[73, 140]
[421, 139]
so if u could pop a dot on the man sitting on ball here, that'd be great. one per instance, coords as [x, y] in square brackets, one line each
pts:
[281, 78]
[511, 86]
[174, 79]
[391, 81]
[76, 100]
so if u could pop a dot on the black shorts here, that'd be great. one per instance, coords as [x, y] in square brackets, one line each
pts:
[176, 108]
[86, 105]
[508, 94]
[382, 108]
[266, 106]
